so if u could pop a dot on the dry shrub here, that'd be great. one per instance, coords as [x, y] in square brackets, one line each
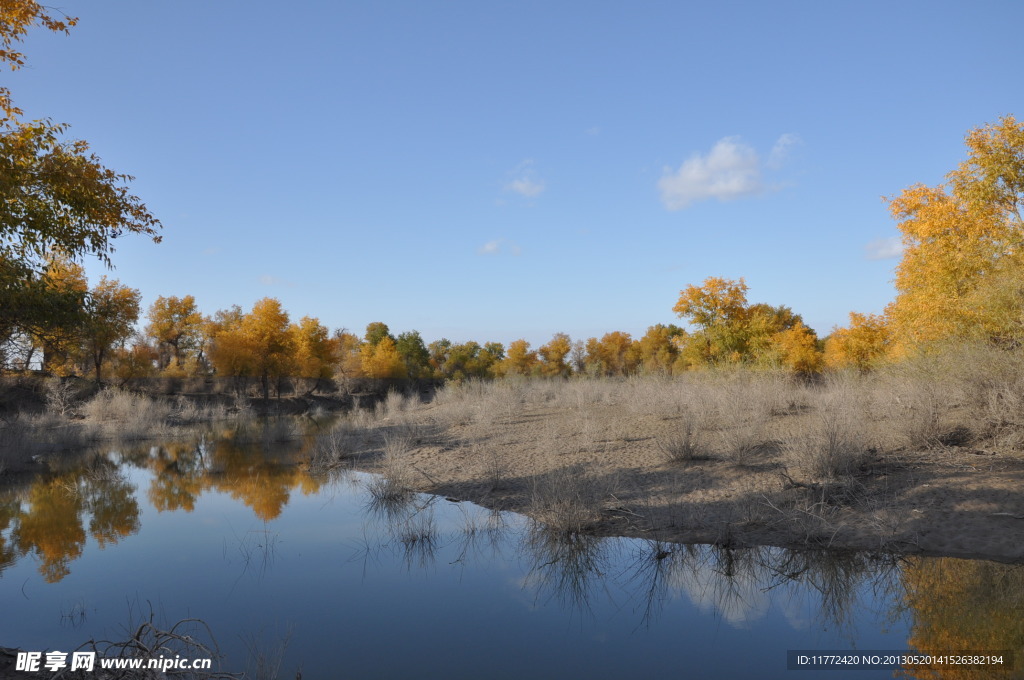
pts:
[833, 442]
[394, 484]
[279, 431]
[61, 397]
[125, 415]
[913, 398]
[743, 410]
[569, 499]
[493, 467]
[688, 441]
[992, 384]
[341, 442]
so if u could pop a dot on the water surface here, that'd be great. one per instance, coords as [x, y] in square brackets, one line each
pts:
[270, 557]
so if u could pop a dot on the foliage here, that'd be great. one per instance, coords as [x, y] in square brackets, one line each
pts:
[519, 359]
[349, 364]
[316, 352]
[796, 348]
[382, 360]
[611, 355]
[861, 345]
[657, 352]
[177, 326]
[16, 17]
[963, 246]
[718, 302]
[258, 344]
[377, 331]
[553, 356]
[111, 314]
[56, 197]
[414, 354]
[731, 331]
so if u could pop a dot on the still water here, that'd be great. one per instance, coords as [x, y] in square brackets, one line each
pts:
[309, 573]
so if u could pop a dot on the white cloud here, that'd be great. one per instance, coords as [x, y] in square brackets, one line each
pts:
[525, 181]
[780, 150]
[525, 186]
[729, 171]
[498, 246]
[884, 248]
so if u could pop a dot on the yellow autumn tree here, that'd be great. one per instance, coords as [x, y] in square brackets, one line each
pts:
[658, 350]
[963, 244]
[177, 327]
[612, 355]
[382, 360]
[266, 328]
[796, 348]
[718, 308]
[730, 331]
[55, 195]
[349, 363]
[111, 313]
[231, 352]
[316, 353]
[861, 345]
[519, 359]
[59, 303]
[553, 356]
[254, 345]
[16, 17]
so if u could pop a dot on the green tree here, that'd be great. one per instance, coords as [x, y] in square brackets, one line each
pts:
[377, 331]
[414, 354]
[55, 197]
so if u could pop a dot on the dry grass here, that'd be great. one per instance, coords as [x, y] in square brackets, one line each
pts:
[396, 480]
[570, 499]
[832, 441]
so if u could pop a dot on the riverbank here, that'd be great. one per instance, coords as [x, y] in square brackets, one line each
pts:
[740, 460]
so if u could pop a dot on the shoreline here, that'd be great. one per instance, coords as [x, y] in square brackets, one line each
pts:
[602, 470]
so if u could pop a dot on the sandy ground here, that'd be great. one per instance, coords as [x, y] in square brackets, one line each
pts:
[608, 462]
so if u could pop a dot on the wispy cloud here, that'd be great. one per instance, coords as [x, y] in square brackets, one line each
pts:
[884, 249]
[780, 150]
[525, 186]
[730, 170]
[525, 181]
[499, 246]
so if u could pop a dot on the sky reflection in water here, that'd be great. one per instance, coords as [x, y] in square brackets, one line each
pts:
[262, 551]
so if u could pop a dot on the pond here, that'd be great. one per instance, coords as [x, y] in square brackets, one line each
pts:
[302, 572]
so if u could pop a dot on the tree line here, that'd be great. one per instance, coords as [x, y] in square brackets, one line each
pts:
[961, 278]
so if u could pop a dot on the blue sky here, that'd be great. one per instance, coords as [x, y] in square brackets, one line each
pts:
[495, 170]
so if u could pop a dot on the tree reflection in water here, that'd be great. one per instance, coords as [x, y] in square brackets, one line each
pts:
[48, 519]
[567, 566]
[964, 606]
[950, 604]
